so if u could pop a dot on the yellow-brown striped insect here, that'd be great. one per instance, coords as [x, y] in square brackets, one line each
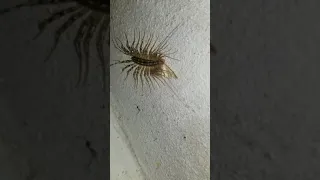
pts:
[94, 16]
[147, 61]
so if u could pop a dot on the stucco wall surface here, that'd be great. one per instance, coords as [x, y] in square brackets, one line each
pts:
[169, 140]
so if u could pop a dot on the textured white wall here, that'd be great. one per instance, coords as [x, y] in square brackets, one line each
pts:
[169, 140]
[123, 165]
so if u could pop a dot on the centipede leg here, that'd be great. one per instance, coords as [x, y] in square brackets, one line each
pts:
[142, 42]
[141, 76]
[121, 62]
[162, 80]
[122, 47]
[171, 87]
[127, 42]
[146, 47]
[135, 77]
[145, 73]
[152, 50]
[137, 45]
[118, 44]
[165, 83]
[129, 70]
[155, 79]
[126, 67]
[149, 77]
[166, 39]
[138, 77]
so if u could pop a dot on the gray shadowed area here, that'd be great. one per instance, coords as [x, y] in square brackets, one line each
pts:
[266, 83]
[48, 128]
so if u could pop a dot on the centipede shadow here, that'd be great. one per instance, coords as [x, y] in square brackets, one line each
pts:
[93, 17]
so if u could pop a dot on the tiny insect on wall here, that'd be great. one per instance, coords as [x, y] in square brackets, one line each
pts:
[94, 21]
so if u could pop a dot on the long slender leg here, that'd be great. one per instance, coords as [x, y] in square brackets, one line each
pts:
[165, 40]
[141, 76]
[135, 76]
[165, 83]
[126, 67]
[142, 42]
[77, 44]
[172, 89]
[138, 76]
[119, 45]
[149, 77]
[151, 50]
[145, 73]
[164, 47]
[134, 39]
[169, 83]
[155, 79]
[62, 29]
[132, 66]
[146, 47]
[160, 79]
[138, 43]
[129, 70]
[55, 16]
[31, 4]
[99, 45]
[127, 42]
[121, 62]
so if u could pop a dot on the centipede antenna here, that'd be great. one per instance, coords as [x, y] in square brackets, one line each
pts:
[172, 58]
[163, 42]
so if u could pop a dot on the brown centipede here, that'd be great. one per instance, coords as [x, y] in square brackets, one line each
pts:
[94, 16]
[147, 61]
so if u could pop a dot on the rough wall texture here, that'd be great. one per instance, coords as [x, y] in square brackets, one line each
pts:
[266, 84]
[48, 129]
[170, 141]
[123, 163]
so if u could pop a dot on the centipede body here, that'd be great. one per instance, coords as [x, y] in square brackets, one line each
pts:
[147, 63]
